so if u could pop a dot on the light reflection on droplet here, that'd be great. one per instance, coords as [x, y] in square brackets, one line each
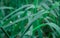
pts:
[11, 22]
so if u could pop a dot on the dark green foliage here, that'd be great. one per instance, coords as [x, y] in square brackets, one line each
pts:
[29, 19]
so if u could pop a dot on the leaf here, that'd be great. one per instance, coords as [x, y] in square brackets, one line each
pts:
[56, 27]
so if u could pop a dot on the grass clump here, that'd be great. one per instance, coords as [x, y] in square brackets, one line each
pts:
[29, 19]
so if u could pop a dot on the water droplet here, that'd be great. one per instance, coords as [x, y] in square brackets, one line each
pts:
[11, 22]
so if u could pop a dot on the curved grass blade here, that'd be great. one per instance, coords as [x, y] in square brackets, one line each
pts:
[6, 8]
[29, 24]
[16, 11]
